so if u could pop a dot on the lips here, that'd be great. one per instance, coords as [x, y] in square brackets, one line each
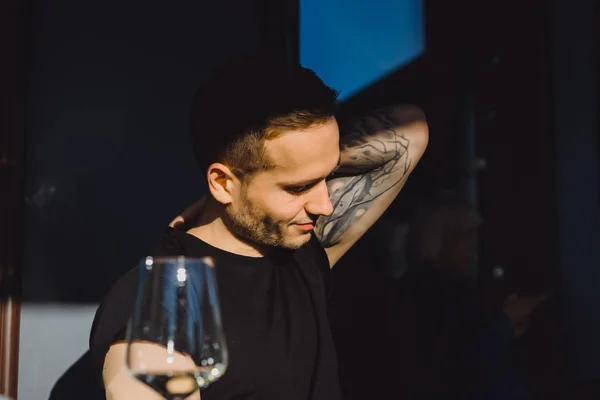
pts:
[306, 227]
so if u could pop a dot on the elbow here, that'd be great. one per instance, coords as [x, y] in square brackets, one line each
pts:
[410, 120]
[407, 114]
[421, 135]
[412, 124]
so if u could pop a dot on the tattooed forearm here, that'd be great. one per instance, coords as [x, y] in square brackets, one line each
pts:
[371, 142]
[374, 159]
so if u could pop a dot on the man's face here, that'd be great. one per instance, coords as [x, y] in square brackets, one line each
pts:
[280, 206]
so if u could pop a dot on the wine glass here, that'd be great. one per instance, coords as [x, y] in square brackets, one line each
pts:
[175, 341]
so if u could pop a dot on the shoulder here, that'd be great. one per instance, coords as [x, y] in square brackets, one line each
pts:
[314, 253]
[115, 309]
[110, 321]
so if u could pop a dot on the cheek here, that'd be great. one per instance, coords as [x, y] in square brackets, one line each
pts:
[278, 205]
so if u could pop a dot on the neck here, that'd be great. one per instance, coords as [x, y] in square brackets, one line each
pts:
[213, 229]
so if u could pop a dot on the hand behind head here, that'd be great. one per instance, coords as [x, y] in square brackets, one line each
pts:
[189, 215]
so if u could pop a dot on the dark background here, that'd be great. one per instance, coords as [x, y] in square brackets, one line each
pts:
[109, 165]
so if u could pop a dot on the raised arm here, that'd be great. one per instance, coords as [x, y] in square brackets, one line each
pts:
[378, 153]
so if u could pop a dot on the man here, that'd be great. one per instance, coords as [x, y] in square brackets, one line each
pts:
[286, 200]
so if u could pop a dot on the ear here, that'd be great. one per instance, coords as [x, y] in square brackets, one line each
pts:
[222, 183]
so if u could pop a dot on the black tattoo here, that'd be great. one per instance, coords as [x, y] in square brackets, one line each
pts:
[376, 160]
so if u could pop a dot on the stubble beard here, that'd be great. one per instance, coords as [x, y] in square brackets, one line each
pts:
[251, 224]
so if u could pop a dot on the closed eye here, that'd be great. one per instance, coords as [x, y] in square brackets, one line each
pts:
[297, 190]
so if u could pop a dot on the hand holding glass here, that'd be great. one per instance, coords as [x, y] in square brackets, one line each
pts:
[175, 341]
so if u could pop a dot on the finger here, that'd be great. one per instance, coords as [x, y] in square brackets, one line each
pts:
[176, 222]
[192, 210]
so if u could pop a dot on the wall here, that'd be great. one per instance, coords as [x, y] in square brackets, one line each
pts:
[108, 157]
[48, 348]
[352, 45]
[575, 118]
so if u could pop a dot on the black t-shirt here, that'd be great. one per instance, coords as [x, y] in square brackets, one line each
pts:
[274, 320]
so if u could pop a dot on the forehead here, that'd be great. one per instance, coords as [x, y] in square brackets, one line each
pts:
[308, 152]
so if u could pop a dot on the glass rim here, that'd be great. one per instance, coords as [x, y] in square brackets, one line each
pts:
[149, 260]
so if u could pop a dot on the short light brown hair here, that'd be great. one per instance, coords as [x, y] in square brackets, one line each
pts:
[249, 101]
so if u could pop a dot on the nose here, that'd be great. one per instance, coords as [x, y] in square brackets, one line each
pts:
[319, 202]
